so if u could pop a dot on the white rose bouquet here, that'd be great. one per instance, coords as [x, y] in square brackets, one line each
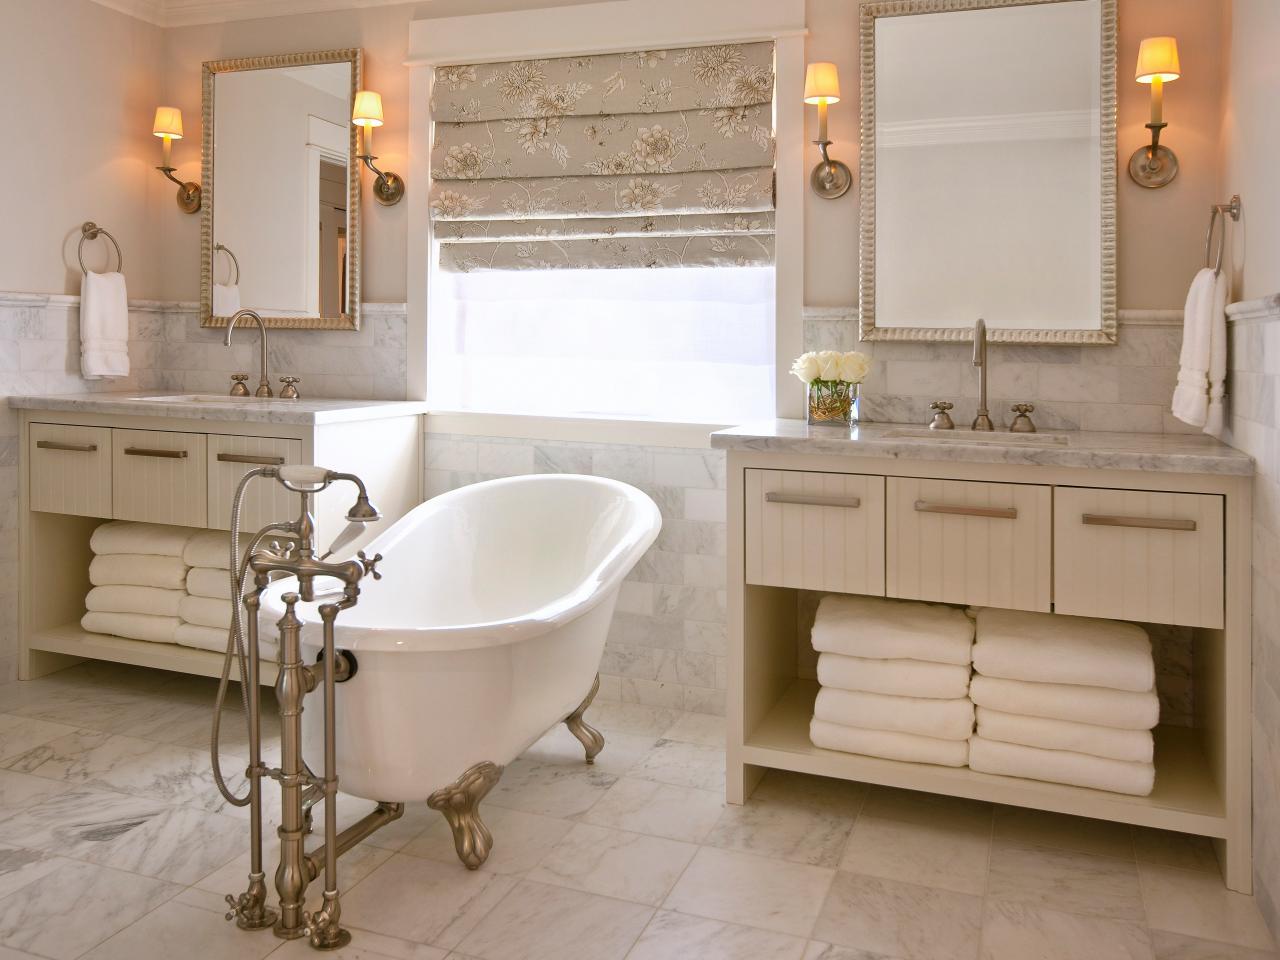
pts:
[832, 378]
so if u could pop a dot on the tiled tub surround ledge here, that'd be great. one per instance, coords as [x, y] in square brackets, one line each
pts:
[230, 410]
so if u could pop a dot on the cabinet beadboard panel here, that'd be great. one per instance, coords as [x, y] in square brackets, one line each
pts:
[815, 531]
[998, 555]
[1139, 555]
[70, 469]
[159, 476]
[230, 458]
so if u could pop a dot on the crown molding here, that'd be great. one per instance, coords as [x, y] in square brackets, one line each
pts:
[187, 13]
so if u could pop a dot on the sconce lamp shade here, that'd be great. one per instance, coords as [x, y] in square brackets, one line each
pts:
[168, 123]
[367, 110]
[1158, 59]
[822, 84]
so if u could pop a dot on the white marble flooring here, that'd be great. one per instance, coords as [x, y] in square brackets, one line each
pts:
[114, 844]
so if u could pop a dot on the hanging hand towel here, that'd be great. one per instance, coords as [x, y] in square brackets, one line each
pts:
[1191, 395]
[892, 630]
[104, 326]
[1061, 766]
[939, 719]
[1216, 418]
[900, 678]
[226, 299]
[1065, 701]
[1136, 746]
[889, 744]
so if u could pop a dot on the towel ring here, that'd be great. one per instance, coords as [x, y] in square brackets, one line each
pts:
[91, 231]
[1219, 210]
[234, 262]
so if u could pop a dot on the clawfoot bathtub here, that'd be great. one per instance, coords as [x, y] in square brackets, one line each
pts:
[486, 630]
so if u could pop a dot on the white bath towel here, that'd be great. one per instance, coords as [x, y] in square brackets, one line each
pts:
[1216, 416]
[152, 601]
[1124, 709]
[153, 539]
[939, 719]
[206, 611]
[1191, 394]
[1135, 746]
[1061, 766]
[209, 548]
[892, 630]
[139, 570]
[888, 744]
[208, 582]
[135, 626]
[1052, 648]
[901, 678]
[104, 326]
[226, 299]
[215, 639]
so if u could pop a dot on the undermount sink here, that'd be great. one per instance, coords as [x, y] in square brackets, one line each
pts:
[998, 438]
[207, 398]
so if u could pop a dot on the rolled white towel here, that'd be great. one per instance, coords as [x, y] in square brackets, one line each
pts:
[940, 719]
[139, 570]
[901, 678]
[153, 539]
[215, 639]
[1135, 746]
[135, 626]
[207, 582]
[1053, 648]
[1061, 766]
[209, 548]
[888, 744]
[1123, 709]
[206, 612]
[152, 601]
[892, 630]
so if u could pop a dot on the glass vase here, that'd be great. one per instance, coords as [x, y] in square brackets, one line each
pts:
[833, 402]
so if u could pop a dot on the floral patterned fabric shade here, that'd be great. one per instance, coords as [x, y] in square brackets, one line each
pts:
[656, 158]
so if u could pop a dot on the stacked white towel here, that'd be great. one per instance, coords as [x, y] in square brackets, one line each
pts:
[894, 680]
[1065, 699]
[207, 608]
[138, 579]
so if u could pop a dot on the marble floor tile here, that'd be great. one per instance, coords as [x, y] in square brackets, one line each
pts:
[890, 803]
[20, 791]
[817, 950]
[539, 922]
[20, 734]
[520, 840]
[614, 863]
[20, 866]
[777, 829]
[1175, 849]
[67, 911]
[550, 789]
[180, 844]
[423, 900]
[1196, 904]
[621, 752]
[1017, 931]
[658, 809]
[801, 791]
[950, 857]
[74, 822]
[232, 877]
[638, 718]
[700, 728]
[744, 889]
[364, 945]
[1043, 829]
[174, 929]
[1065, 880]
[889, 918]
[1174, 946]
[675, 936]
[683, 765]
[7, 954]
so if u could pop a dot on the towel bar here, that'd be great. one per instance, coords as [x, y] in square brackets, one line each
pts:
[1223, 210]
[234, 262]
[91, 231]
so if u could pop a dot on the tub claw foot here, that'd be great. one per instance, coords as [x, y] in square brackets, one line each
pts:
[592, 739]
[460, 804]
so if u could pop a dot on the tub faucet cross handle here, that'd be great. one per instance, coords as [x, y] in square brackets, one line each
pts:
[371, 565]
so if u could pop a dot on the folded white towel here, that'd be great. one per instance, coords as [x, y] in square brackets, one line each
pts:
[135, 626]
[138, 570]
[892, 630]
[1061, 766]
[153, 539]
[152, 601]
[1191, 395]
[208, 582]
[1123, 709]
[226, 299]
[1135, 746]
[901, 678]
[206, 612]
[209, 548]
[888, 744]
[215, 639]
[1216, 415]
[1053, 648]
[104, 326]
[940, 719]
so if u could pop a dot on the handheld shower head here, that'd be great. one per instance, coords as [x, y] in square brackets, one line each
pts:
[362, 511]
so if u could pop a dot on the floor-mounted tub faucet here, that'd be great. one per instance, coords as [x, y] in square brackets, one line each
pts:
[983, 420]
[264, 384]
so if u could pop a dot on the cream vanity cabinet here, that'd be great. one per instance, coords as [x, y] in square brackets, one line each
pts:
[1148, 529]
[88, 459]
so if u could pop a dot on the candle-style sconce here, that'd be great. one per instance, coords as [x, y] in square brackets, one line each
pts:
[366, 113]
[1156, 165]
[168, 127]
[831, 178]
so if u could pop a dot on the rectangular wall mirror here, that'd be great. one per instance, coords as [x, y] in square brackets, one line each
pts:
[280, 228]
[988, 170]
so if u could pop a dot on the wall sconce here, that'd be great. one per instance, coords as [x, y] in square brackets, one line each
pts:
[1156, 165]
[168, 127]
[366, 113]
[831, 178]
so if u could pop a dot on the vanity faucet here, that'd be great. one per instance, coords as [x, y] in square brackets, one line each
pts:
[983, 420]
[264, 385]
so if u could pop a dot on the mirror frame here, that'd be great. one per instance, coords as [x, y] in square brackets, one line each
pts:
[1106, 333]
[350, 318]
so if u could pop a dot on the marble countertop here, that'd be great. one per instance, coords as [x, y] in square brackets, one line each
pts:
[187, 406]
[1166, 453]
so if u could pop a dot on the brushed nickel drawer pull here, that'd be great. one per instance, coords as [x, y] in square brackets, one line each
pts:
[805, 499]
[1149, 523]
[260, 458]
[73, 447]
[163, 454]
[991, 513]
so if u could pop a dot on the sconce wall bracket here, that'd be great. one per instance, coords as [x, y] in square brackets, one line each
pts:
[830, 179]
[388, 189]
[189, 195]
[1153, 166]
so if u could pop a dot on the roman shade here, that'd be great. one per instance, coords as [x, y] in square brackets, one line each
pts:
[653, 158]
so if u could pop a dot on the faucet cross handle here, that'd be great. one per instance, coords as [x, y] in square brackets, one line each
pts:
[1022, 422]
[370, 564]
[941, 418]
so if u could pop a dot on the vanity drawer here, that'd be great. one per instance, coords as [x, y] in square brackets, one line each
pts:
[959, 541]
[158, 476]
[70, 469]
[815, 531]
[230, 458]
[1139, 555]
